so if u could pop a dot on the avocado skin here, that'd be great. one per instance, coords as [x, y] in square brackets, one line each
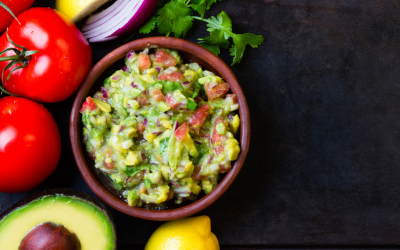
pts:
[67, 192]
[50, 236]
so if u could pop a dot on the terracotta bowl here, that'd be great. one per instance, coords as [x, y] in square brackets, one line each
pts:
[94, 80]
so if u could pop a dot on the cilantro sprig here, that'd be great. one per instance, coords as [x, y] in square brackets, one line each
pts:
[176, 16]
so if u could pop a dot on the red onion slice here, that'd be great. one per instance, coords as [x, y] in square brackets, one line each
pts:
[123, 20]
[125, 68]
[104, 16]
[130, 53]
[104, 91]
[108, 27]
[157, 133]
[111, 23]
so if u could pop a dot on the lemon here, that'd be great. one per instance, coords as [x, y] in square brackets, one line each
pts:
[75, 10]
[184, 234]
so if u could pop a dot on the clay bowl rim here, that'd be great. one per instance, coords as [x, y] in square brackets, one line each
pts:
[75, 136]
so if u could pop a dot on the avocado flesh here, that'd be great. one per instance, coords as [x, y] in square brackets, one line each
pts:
[92, 227]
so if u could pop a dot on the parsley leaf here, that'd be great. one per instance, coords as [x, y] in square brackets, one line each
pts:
[240, 41]
[202, 5]
[220, 29]
[214, 48]
[174, 17]
[148, 26]
[151, 23]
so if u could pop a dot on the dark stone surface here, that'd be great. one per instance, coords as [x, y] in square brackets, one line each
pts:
[324, 94]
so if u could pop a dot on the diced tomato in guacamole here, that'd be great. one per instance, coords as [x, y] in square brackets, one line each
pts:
[171, 101]
[144, 61]
[216, 90]
[174, 76]
[156, 94]
[163, 58]
[200, 115]
[88, 105]
[181, 132]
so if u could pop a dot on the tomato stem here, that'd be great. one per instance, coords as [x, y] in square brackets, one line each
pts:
[5, 91]
[9, 58]
[20, 57]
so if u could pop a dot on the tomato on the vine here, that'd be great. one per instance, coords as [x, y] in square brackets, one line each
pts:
[17, 7]
[63, 59]
[30, 144]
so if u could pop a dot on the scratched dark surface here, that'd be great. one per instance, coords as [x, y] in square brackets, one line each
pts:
[324, 95]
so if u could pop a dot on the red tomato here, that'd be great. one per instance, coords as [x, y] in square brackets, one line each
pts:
[199, 116]
[63, 60]
[30, 144]
[174, 76]
[17, 7]
[213, 92]
[88, 105]
[196, 174]
[170, 100]
[144, 61]
[232, 99]
[181, 132]
[157, 94]
[163, 58]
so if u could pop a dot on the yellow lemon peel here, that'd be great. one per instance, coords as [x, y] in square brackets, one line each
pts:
[185, 234]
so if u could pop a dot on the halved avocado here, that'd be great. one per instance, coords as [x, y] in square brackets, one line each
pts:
[79, 214]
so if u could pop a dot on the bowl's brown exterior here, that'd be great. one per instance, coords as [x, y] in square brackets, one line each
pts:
[92, 83]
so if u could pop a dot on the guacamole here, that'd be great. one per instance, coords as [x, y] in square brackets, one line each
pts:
[160, 129]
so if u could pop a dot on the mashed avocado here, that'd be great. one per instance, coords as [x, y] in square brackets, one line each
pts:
[161, 129]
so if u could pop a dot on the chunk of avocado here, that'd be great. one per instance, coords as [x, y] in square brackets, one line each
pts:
[189, 145]
[105, 107]
[78, 213]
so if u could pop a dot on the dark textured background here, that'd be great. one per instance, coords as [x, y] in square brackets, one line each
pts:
[324, 95]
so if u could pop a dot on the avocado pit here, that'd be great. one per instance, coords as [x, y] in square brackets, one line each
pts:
[50, 236]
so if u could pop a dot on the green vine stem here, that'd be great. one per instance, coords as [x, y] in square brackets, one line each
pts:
[20, 57]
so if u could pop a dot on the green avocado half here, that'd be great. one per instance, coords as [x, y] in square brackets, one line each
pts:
[78, 212]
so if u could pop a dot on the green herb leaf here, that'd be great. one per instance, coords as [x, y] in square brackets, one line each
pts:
[214, 48]
[240, 41]
[202, 5]
[191, 104]
[163, 146]
[174, 17]
[220, 29]
[148, 26]
[131, 171]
